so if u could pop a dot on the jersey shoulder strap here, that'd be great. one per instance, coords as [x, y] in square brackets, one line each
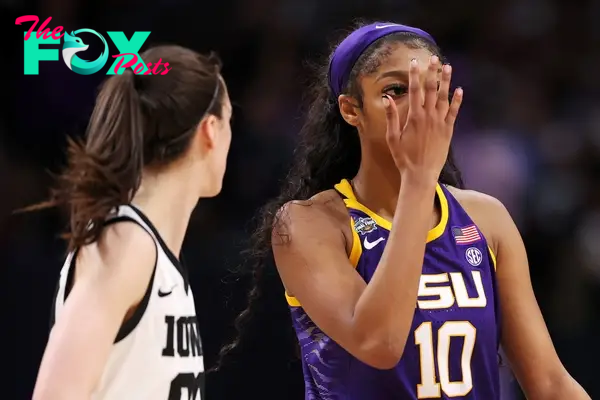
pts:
[131, 213]
[65, 281]
[134, 212]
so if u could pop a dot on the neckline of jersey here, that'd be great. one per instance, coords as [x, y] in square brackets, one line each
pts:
[176, 261]
[345, 188]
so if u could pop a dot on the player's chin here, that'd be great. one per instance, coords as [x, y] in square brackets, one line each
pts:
[215, 188]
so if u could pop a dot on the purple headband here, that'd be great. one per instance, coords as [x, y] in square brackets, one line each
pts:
[347, 53]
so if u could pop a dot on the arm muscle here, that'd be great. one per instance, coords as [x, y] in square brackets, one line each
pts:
[112, 277]
[525, 337]
[371, 321]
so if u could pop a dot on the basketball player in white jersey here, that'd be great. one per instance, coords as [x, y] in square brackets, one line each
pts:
[125, 323]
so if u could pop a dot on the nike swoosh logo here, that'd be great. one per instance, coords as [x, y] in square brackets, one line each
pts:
[369, 245]
[384, 26]
[163, 294]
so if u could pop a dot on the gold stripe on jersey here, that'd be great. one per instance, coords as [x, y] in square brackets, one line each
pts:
[492, 256]
[356, 251]
[292, 301]
[345, 188]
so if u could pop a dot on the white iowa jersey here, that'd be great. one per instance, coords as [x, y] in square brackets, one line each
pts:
[157, 354]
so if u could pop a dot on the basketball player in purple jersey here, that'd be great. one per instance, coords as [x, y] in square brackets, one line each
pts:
[401, 284]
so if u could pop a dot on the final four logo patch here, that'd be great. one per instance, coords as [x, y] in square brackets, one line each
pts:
[364, 225]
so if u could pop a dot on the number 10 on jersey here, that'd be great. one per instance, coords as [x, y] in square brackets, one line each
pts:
[430, 388]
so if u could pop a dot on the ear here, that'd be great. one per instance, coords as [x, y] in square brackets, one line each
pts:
[206, 132]
[349, 109]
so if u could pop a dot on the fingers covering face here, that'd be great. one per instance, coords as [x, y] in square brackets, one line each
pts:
[431, 84]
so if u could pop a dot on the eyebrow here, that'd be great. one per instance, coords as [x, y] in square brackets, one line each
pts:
[394, 74]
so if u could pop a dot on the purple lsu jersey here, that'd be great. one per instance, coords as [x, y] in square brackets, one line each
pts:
[452, 349]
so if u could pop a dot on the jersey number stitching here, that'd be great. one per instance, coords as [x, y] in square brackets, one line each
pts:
[429, 388]
[187, 382]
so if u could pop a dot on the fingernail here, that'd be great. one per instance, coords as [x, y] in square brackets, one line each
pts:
[459, 91]
[413, 62]
[447, 68]
[434, 59]
[386, 102]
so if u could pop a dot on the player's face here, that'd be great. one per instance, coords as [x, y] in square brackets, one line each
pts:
[211, 147]
[222, 142]
[390, 78]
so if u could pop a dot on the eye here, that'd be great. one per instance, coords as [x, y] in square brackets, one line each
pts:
[395, 90]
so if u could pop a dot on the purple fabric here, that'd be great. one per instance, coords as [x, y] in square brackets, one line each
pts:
[330, 372]
[347, 53]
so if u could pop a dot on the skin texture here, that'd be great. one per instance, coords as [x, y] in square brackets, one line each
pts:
[403, 150]
[118, 267]
[372, 321]
[525, 336]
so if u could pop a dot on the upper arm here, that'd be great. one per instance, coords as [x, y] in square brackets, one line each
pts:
[113, 275]
[525, 336]
[314, 266]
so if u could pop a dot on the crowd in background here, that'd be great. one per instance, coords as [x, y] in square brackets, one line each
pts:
[528, 134]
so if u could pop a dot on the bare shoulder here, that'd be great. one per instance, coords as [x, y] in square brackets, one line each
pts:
[486, 211]
[124, 255]
[326, 206]
[307, 235]
[323, 212]
[472, 199]
[126, 240]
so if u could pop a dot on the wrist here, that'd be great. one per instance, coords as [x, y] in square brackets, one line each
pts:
[421, 180]
[418, 190]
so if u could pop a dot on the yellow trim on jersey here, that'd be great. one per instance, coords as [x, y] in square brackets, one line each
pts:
[356, 251]
[354, 257]
[492, 256]
[345, 188]
[292, 301]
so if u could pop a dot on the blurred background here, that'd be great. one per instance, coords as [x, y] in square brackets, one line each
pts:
[529, 134]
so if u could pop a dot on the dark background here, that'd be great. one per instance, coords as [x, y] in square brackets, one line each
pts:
[529, 134]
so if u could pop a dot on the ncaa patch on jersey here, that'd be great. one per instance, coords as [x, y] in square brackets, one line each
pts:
[474, 256]
[365, 225]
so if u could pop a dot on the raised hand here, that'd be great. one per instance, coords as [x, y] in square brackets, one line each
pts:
[421, 146]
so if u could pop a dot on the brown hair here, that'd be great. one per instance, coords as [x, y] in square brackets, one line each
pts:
[138, 121]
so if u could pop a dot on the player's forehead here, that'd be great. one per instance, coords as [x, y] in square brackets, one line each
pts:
[393, 66]
[398, 57]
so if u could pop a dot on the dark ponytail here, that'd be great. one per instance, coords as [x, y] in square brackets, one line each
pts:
[106, 171]
[328, 151]
[138, 121]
